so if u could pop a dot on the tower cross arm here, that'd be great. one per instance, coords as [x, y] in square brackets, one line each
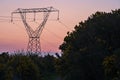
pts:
[35, 10]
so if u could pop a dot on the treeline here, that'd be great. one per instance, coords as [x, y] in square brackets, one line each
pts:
[26, 67]
[90, 52]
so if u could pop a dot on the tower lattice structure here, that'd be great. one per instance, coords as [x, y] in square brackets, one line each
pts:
[34, 35]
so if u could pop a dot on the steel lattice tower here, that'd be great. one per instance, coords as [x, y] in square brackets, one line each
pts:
[34, 35]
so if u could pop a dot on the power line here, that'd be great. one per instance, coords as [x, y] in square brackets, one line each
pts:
[5, 16]
[18, 26]
[48, 42]
[51, 45]
[4, 21]
[52, 33]
[19, 19]
[64, 25]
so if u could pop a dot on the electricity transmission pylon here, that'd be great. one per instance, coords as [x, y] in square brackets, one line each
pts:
[34, 35]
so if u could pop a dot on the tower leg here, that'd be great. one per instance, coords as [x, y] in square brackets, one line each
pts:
[34, 46]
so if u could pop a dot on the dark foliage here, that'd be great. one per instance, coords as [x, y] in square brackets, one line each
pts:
[85, 49]
[26, 67]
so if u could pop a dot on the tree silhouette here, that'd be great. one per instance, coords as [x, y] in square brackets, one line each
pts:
[85, 48]
[26, 67]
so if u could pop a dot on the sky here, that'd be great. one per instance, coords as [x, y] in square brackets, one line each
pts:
[13, 36]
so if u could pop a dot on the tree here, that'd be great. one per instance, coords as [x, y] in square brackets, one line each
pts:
[4, 58]
[21, 67]
[112, 66]
[85, 48]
